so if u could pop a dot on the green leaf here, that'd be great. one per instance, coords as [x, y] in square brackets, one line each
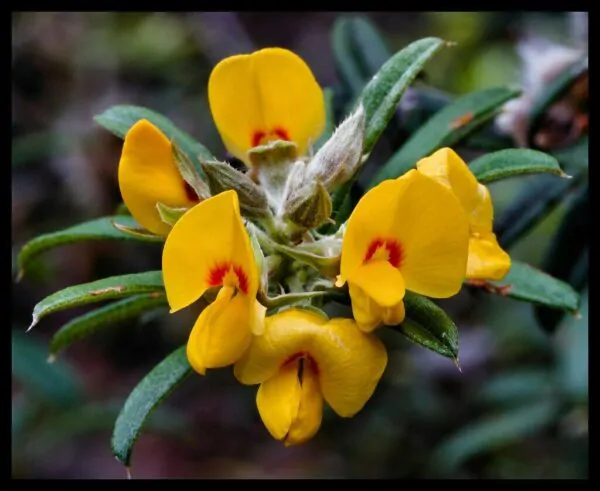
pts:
[148, 394]
[346, 64]
[169, 215]
[92, 322]
[55, 383]
[552, 92]
[370, 48]
[526, 283]
[383, 93]
[99, 229]
[329, 118]
[517, 387]
[119, 119]
[491, 433]
[446, 128]
[428, 325]
[573, 353]
[566, 250]
[513, 162]
[97, 291]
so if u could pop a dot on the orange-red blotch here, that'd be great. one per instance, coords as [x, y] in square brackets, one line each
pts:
[217, 275]
[260, 137]
[394, 251]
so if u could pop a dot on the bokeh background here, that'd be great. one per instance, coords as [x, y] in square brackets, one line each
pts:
[518, 409]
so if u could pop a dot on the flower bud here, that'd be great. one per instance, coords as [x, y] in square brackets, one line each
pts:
[308, 206]
[221, 176]
[340, 157]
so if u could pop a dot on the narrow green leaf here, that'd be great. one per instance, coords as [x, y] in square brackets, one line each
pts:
[493, 432]
[513, 162]
[119, 119]
[573, 353]
[526, 283]
[428, 325]
[169, 215]
[554, 91]
[346, 64]
[148, 394]
[566, 251]
[99, 229]
[97, 291]
[94, 321]
[383, 93]
[189, 172]
[330, 123]
[446, 128]
[55, 383]
[516, 387]
[137, 232]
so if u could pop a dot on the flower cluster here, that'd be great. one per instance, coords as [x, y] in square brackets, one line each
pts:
[243, 235]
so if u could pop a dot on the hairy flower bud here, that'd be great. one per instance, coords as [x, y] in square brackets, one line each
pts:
[340, 157]
[221, 176]
[308, 206]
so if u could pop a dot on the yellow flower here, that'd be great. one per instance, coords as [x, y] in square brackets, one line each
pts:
[270, 94]
[303, 358]
[148, 175]
[209, 247]
[487, 260]
[408, 233]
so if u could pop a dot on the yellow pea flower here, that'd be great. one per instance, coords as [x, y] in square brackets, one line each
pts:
[410, 233]
[270, 94]
[148, 175]
[303, 358]
[487, 260]
[209, 247]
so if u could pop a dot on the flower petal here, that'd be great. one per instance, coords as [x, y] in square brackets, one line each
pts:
[449, 169]
[350, 364]
[310, 410]
[271, 92]
[433, 232]
[210, 234]
[286, 333]
[148, 174]
[487, 260]
[369, 315]
[222, 332]
[381, 281]
[278, 399]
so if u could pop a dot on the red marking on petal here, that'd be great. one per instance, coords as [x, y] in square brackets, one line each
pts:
[218, 273]
[393, 248]
[261, 137]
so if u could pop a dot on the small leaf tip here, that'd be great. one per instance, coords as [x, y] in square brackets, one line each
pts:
[457, 363]
[128, 472]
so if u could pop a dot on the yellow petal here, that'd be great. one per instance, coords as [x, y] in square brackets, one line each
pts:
[368, 314]
[482, 215]
[487, 260]
[270, 93]
[433, 232]
[310, 410]
[350, 364]
[208, 245]
[424, 221]
[381, 281]
[278, 399]
[148, 174]
[448, 168]
[222, 332]
[285, 334]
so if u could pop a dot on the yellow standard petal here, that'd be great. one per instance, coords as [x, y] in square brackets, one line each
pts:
[487, 260]
[267, 95]
[290, 404]
[420, 229]
[347, 361]
[208, 247]
[148, 174]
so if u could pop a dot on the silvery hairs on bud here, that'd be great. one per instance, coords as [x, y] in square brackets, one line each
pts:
[340, 157]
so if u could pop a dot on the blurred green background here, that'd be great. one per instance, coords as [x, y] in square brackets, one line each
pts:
[519, 409]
